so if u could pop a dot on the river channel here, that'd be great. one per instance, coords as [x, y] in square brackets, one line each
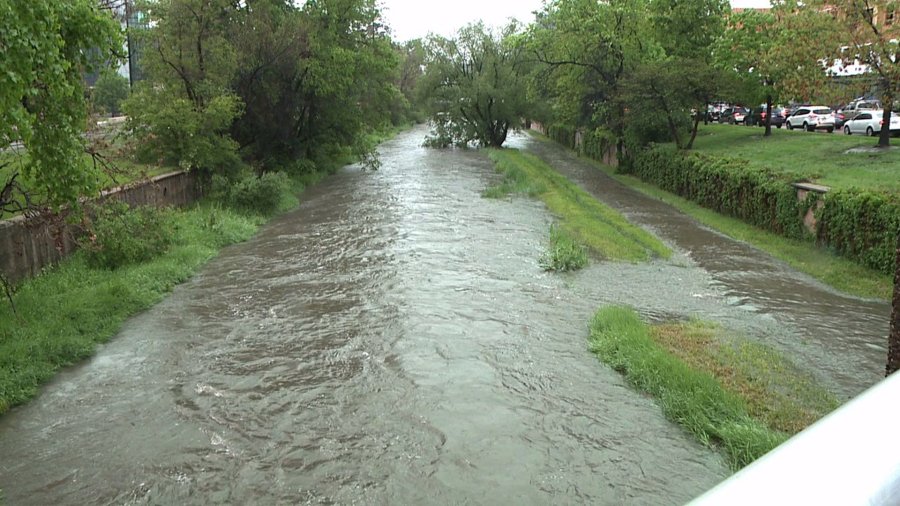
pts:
[394, 341]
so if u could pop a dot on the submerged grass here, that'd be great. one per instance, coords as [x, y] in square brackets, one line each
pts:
[582, 217]
[805, 256]
[564, 252]
[732, 393]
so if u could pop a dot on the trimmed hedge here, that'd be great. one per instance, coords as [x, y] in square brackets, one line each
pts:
[729, 186]
[861, 225]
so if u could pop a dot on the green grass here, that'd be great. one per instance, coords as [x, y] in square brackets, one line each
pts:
[66, 312]
[689, 396]
[820, 157]
[582, 217]
[564, 253]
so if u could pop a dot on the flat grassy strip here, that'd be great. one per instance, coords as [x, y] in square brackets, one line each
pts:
[584, 218]
[66, 312]
[691, 397]
[805, 256]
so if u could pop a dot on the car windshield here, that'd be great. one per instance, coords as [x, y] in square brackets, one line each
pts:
[822, 111]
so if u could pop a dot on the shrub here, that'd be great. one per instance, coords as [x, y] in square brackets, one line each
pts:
[862, 225]
[121, 235]
[266, 195]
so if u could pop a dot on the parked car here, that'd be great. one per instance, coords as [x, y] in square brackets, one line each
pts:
[870, 123]
[757, 116]
[733, 115]
[851, 110]
[811, 118]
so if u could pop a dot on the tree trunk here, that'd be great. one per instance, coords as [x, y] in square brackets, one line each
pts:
[690, 143]
[768, 116]
[893, 360]
[884, 138]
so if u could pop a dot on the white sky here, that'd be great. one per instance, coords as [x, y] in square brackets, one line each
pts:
[410, 19]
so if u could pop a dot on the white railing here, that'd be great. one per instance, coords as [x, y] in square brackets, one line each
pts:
[850, 457]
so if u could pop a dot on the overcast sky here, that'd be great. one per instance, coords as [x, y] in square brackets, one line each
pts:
[411, 19]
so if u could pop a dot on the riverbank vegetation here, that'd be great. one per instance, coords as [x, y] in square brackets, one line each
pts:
[582, 218]
[730, 393]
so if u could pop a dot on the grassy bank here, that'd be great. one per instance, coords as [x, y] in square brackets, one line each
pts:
[581, 217]
[731, 394]
[838, 272]
[822, 158]
[65, 313]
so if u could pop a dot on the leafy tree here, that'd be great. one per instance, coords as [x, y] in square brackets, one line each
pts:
[583, 49]
[46, 45]
[672, 89]
[475, 87]
[181, 113]
[867, 41]
[110, 90]
[687, 29]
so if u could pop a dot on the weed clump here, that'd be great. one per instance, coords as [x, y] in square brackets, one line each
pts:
[564, 254]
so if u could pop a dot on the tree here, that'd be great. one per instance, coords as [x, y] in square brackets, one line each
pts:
[747, 46]
[582, 50]
[475, 88]
[869, 41]
[182, 111]
[109, 91]
[46, 46]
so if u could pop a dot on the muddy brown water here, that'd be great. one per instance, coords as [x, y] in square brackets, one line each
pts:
[393, 341]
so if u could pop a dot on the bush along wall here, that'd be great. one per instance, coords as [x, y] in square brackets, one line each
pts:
[729, 186]
[861, 225]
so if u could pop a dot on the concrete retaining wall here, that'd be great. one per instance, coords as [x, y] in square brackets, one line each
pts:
[28, 245]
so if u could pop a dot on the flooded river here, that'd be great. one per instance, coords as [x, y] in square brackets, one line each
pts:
[394, 341]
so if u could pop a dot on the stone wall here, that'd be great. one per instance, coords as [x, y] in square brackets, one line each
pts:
[28, 245]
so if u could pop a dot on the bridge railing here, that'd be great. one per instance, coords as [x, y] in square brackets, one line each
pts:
[850, 457]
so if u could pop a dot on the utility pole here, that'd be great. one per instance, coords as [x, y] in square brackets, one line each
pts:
[128, 43]
[893, 360]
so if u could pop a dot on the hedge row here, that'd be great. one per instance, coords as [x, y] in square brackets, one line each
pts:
[594, 144]
[857, 224]
[861, 225]
[729, 186]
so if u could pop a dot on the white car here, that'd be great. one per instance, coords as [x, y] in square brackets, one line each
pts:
[869, 123]
[811, 118]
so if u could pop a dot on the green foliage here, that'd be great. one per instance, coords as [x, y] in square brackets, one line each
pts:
[121, 235]
[66, 312]
[861, 225]
[46, 45]
[475, 89]
[564, 253]
[590, 222]
[758, 196]
[690, 397]
[172, 130]
[265, 195]
[110, 90]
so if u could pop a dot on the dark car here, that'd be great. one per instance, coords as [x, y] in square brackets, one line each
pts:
[757, 116]
[733, 115]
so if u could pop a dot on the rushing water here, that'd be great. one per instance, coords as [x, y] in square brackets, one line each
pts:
[842, 338]
[393, 341]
